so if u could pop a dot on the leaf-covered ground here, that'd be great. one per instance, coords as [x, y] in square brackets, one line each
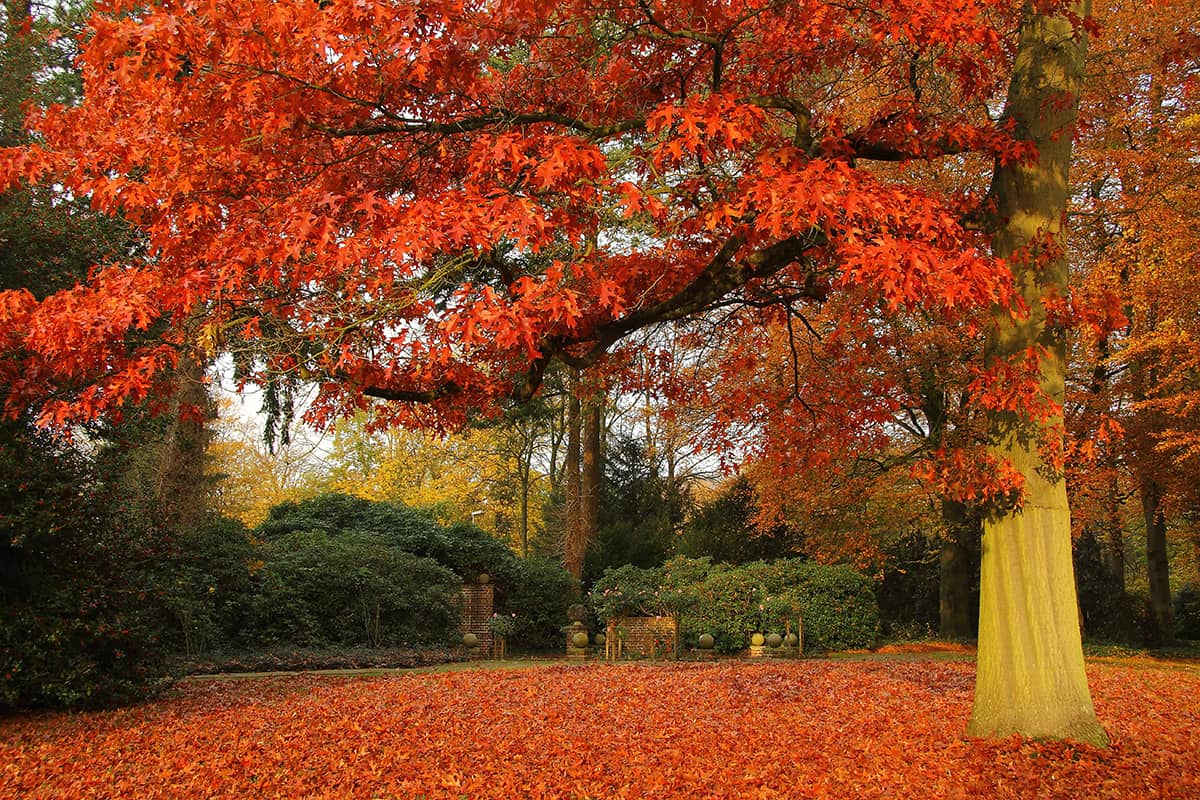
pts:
[804, 729]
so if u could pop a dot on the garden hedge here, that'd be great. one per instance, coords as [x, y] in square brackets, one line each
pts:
[837, 604]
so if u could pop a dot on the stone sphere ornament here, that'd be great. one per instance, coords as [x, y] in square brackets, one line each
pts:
[470, 639]
[484, 579]
[580, 640]
[757, 640]
[792, 640]
[774, 640]
[706, 641]
[599, 639]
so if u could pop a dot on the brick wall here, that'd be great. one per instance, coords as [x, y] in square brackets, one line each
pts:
[641, 633]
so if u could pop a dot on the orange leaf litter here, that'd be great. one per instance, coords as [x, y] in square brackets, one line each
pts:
[736, 730]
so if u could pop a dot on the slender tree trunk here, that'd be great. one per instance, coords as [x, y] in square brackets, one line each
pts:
[556, 424]
[593, 443]
[526, 475]
[1114, 536]
[956, 573]
[1030, 674]
[1113, 530]
[1157, 566]
[573, 544]
[960, 541]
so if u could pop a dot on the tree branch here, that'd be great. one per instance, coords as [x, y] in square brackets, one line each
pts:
[499, 118]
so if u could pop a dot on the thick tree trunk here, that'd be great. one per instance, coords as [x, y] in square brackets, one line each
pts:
[180, 487]
[1157, 565]
[574, 545]
[1030, 677]
[956, 573]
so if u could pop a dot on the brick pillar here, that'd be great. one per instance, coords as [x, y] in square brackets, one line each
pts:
[477, 602]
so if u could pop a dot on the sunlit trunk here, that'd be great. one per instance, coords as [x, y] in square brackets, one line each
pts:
[1031, 678]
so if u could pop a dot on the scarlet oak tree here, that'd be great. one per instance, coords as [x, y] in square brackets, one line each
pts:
[431, 202]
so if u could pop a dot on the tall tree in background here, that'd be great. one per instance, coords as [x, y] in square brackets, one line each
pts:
[583, 471]
[357, 198]
[1139, 246]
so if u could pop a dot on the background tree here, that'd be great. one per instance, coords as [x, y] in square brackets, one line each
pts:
[1138, 251]
[81, 619]
[246, 477]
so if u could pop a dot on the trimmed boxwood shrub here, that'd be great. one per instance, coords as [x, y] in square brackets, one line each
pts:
[836, 603]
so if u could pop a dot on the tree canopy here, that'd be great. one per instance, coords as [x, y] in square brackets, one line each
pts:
[439, 207]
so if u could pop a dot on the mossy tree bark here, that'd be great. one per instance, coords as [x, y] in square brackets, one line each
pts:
[1031, 678]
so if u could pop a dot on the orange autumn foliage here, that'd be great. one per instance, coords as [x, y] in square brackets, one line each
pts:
[813, 729]
[439, 208]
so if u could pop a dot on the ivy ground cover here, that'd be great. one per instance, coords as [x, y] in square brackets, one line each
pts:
[797, 730]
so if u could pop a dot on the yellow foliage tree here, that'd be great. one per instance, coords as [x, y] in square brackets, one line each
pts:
[482, 475]
[247, 478]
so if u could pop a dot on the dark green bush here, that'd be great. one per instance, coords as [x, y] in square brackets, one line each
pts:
[727, 605]
[1110, 614]
[536, 590]
[835, 603]
[463, 548]
[470, 551]
[81, 622]
[81, 653]
[1187, 612]
[407, 528]
[207, 587]
[627, 591]
[352, 589]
